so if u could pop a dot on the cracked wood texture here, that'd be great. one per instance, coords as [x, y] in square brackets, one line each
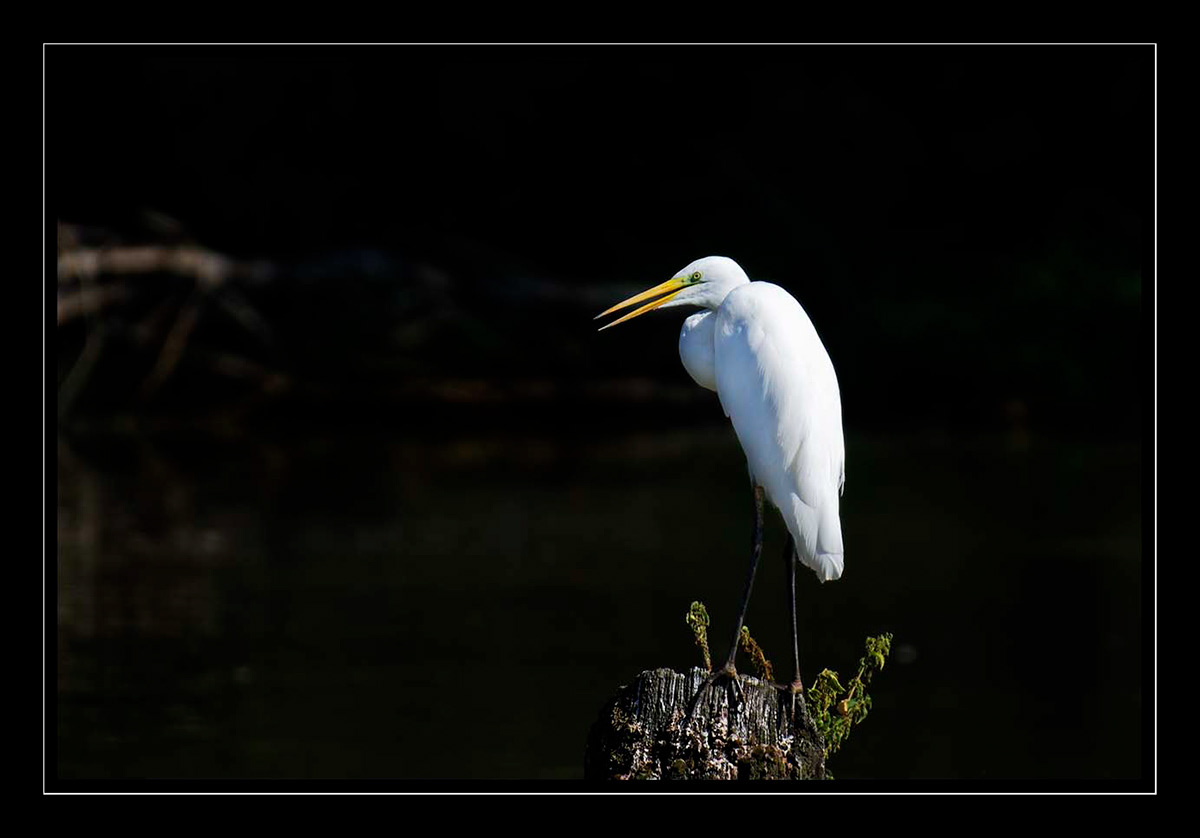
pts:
[641, 735]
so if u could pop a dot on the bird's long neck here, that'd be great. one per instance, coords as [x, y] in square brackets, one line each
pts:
[720, 289]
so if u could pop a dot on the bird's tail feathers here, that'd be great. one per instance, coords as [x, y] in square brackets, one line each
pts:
[827, 566]
[818, 537]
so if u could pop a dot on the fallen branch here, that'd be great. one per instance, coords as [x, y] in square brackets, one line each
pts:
[205, 266]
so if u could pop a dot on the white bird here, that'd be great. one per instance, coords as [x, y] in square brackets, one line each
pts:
[757, 349]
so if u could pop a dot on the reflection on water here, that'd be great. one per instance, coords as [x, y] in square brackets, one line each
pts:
[367, 607]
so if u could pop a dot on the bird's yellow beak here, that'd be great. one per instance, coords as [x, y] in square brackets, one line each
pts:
[670, 288]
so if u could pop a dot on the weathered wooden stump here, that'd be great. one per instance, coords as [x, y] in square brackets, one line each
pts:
[641, 733]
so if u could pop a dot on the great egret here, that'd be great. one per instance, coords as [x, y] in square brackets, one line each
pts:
[756, 348]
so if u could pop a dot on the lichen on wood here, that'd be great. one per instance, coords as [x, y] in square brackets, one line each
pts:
[643, 732]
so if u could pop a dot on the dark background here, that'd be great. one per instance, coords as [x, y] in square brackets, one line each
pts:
[382, 504]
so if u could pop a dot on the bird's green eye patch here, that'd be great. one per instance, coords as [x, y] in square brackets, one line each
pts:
[696, 276]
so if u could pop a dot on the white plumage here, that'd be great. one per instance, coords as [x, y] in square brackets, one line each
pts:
[697, 349]
[777, 385]
[756, 347]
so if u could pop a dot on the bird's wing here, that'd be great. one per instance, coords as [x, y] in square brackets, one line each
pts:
[778, 387]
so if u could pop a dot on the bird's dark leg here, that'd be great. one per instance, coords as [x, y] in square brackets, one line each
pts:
[729, 670]
[789, 561]
[755, 552]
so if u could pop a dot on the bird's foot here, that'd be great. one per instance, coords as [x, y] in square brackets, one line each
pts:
[794, 688]
[727, 672]
[787, 702]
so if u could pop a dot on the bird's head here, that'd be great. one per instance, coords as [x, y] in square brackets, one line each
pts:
[704, 283]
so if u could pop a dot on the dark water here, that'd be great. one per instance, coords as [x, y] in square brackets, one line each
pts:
[440, 606]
